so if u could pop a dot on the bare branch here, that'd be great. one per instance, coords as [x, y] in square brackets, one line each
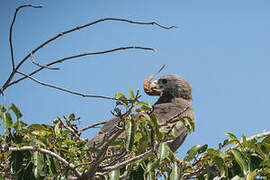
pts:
[81, 55]
[11, 30]
[66, 90]
[124, 163]
[42, 66]
[84, 26]
[99, 157]
[69, 128]
[59, 158]
[91, 126]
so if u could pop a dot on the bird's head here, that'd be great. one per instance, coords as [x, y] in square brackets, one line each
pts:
[169, 85]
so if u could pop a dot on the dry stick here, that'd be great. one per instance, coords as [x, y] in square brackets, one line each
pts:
[81, 55]
[42, 66]
[11, 30]
[63, 89]
[24, 148]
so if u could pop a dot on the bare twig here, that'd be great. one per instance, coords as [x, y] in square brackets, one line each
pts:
[11, 30]
[124, 163]
[42, 66]
[81, 55]
[69, 128]
[91, 126]
[69, 165]
[65, 90]
[99, 157]
[7, 83]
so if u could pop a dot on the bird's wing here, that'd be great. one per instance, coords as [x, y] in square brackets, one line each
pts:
[163, 113]
[109, 128]
[166, 111]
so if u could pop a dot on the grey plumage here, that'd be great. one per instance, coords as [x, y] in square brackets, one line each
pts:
[175, 96]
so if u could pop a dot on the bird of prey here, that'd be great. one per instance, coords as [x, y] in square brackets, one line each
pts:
[175, 96]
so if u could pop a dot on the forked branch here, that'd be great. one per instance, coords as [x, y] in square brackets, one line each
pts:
[41, 67]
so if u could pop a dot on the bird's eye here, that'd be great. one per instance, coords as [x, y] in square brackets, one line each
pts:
[164, 81]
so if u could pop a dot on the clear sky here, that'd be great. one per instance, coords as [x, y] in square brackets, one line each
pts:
[221, 47]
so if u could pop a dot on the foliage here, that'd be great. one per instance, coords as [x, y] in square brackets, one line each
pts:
[57, 151]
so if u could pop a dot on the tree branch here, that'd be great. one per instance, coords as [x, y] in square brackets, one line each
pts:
[91, 126]
[124, 163]
[81, 55]
[11, 30]
[59, 158]
[69, 128]
[65, 90]
[42, 66]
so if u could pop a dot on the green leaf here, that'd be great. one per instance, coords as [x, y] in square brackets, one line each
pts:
[71, 117]
[147, 132]
[3, 109]
[16, 111]
[191, 124]
[252, 175]
[7, 121]
[38, 127]
[220, 166]
[213, 152]
[163, 151]
[152, 165]
[38, 163]
[155, 126]
[266, 139]
[114, 175]
[203, 148]
[232, 136]
[244, 140]
[192, 152]
[131, 94]
[176, 173]
[241, 160]
[19, 125]
[151, 175]
[57, 129]
[130, 133]
[120, 96]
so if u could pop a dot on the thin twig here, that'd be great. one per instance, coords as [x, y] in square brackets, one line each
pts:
[24, 148]
[160, 69]
[7, 83]
[99, 158]
[42, 66]
[91, 126]
[81, 55]
[124, 163]
[11, 30]
[65, 90]
[69, 128]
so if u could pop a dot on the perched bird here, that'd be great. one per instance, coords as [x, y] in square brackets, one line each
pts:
[175, 96]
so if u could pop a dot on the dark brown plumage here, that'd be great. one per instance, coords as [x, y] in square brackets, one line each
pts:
[175, 96]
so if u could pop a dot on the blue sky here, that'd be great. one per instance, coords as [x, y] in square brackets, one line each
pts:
[221, 47]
